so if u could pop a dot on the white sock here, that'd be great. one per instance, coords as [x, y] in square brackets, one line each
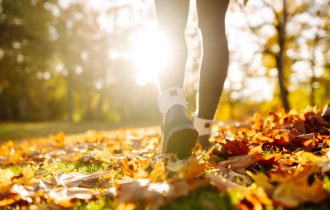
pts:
[203, 126]
[170, 97]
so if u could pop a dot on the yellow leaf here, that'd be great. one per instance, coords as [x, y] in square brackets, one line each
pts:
[291, 195]
[296, 189]
[5, 177]
[126, 206]
[261, 180]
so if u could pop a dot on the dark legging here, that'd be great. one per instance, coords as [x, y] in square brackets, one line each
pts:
[172, 19]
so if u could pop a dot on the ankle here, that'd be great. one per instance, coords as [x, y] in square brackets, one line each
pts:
[170, 98]
[203, 126]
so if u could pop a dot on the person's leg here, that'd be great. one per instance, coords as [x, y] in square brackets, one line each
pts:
[178, 133]
[211, 21]
[172, 18]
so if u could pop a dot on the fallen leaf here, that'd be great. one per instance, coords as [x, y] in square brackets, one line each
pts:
[126, 206]
[5, 177]
[240, 162]
[235, 147]
[297, 189]
[255, 199]
[80, 180]
[222, 184]
[324, 165]
[300, 126]
[286, 156]
[8, 198]
[151, 194]
[63, 196]
[192, 168]
[261, 180]
[326, 113]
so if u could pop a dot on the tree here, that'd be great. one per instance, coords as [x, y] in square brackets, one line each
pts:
[25, 46]
[281, 39]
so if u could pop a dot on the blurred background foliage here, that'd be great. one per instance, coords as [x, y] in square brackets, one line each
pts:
[71, 60]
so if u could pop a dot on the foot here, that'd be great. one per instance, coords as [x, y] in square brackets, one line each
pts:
[204, 128]
[204, 141]
[178, 133]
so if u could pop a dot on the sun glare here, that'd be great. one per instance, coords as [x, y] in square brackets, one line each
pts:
[150, 54]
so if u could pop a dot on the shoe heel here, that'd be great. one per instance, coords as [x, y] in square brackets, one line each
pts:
[181, 139]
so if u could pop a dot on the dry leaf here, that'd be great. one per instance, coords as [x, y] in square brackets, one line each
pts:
[261, 180]
[151, 194]
[63, 196]
[240, 162]
[192, 169]
[80, 180]
[326, 113]
[5, 177]
[223, 184]
[235, 147]
[297, 189]
[255, 199]
[274, 149]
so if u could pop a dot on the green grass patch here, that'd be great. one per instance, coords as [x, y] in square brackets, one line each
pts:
[101, 204]
[16, 169]
[71, 167]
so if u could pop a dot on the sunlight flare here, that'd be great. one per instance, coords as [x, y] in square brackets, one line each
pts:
[150, 54]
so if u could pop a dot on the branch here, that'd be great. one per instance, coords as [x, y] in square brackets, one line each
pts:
[267, 4]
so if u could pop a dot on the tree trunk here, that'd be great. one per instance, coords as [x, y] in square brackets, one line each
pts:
[22, 103]
[280, 58]
[69, 96]
[100, 105]
[88, 113]
[312, 82]
[312, 94]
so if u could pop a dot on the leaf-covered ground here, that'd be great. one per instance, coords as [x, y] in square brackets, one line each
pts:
[280, 161]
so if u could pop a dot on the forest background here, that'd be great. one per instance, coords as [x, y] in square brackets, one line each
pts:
[95, 61]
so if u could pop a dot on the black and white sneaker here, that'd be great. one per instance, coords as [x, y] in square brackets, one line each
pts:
[204, 128]
[179, 135]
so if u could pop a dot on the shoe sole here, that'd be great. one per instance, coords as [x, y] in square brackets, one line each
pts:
[181, 140]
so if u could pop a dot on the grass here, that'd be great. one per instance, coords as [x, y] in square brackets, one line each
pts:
[105, 203]
[20, 130]
[70, 167]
